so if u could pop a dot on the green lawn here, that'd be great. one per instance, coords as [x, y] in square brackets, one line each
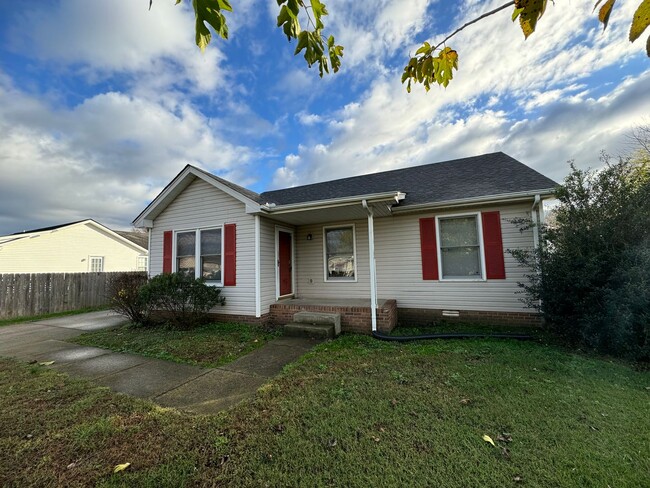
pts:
[354, 412]
[209, 345]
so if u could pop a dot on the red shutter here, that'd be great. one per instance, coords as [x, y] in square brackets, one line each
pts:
[168, 243]
[229, 255]
[429, 249]
[495, 268]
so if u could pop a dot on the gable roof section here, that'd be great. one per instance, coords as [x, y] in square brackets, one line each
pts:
[139, 238]
[460, 179]
[181, 181]
[90, 222]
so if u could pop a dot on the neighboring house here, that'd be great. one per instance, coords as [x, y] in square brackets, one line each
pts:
[418, 243]
[76, 247]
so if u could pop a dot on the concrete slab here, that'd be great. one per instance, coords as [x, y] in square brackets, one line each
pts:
[266, 361]
[305, 343]
[34, 350]
[72, 354]
[211, 390]
[86, 322]
[215, 406]
[151, 378]
[99, 366]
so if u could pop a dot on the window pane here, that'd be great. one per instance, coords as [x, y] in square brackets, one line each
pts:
[185, 243]
[210, 241]
[211, 268]
[186, 265]
[340, 266]
[340, 241]
[461, 262]
[460, 231]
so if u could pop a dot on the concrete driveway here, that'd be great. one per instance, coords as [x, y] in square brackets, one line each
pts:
[191, 388]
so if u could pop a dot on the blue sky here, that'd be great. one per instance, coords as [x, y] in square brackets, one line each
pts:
[103, 102]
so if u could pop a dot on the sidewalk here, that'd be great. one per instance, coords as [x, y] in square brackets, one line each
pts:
[192, 388]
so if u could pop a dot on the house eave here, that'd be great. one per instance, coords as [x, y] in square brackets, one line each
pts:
[273, 209]
[482, 200]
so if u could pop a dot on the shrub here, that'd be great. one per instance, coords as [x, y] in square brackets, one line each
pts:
[126, 299]
[184, 301]
[591, 278]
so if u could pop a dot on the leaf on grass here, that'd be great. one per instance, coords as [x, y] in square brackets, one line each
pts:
[465, 401]
[640, 20]
[505, 437]
[121, 467]
[47, 363]
[487, 438]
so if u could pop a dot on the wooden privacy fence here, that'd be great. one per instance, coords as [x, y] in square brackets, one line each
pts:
[24, 295]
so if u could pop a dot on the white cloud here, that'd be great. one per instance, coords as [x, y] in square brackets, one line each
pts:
[388, 128]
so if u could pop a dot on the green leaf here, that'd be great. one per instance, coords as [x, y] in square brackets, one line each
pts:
[425, 49]
[203, 35]
[516, 13]
[640, 20]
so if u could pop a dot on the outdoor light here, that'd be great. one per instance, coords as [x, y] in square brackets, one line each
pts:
[309, 237]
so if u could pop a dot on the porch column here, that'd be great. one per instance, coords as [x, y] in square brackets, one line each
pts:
[258, 284]
[373, 271]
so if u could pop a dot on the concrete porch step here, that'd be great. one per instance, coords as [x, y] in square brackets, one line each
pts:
[319, 318]
[317, 331]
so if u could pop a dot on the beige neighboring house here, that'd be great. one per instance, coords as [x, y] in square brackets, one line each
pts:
[76, 247]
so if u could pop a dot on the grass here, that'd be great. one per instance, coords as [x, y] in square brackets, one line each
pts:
[32, 318]
[209, 345]
[353, 412]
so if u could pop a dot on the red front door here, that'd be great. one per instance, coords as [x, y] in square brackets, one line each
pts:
[284, 263]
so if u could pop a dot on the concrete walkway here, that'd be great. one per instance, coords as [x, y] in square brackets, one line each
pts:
[192, 388]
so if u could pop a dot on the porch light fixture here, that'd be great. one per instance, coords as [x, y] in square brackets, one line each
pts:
[309, 237]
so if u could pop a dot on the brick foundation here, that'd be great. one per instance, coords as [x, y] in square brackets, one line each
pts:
[420, 317]
[353, 319]
[242, 319]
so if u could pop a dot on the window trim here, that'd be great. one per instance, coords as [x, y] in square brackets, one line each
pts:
[197, 251]
[479, 224]
[326, 278]
[90, 264]
[137, 262]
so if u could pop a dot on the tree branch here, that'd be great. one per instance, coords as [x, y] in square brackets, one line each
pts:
[486, 14]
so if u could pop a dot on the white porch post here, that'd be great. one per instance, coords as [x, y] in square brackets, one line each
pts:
[258, 285]
[373, 271]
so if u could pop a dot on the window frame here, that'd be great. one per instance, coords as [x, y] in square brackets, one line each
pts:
[197, 251]
[326, 277]
[479, 225]
[90, 264]
[137, 262]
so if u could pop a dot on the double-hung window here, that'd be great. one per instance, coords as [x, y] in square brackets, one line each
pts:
[340, 253]
[460, 247]
[96, 264]
[199, 254]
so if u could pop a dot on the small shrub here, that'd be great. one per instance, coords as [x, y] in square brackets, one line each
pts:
[185, 301]
[126, 299]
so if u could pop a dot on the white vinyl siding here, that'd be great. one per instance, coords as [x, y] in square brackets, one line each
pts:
[310, 282]
[268, 264]
[201, 205]
[399, 267]
[67, 250]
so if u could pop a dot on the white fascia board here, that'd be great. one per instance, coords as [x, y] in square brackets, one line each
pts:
[483, 200]
[333, 202]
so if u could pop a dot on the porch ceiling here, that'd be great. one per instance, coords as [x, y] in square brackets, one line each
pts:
[330, 214]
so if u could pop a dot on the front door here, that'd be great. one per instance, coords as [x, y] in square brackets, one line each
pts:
[284, 263]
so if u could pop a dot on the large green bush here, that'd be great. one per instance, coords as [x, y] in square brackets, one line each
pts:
[183, 300]
[591, 278]
[126, 299]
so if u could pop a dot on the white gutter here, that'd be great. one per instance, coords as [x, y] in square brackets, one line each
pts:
[485, 200]
[332, 202]
[373, 268]
[258, 287]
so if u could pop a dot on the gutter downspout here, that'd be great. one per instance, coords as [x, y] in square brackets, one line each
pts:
[536, 220]
[258, 297]
[373, 270]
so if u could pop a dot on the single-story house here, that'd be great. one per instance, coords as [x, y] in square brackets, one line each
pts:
[409, 245]
[75, 247]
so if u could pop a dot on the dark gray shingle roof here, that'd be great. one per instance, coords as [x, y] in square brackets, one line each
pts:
[139, 238]
[485, 175]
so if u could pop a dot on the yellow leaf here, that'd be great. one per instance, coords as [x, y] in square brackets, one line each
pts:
[640, 20]
[121, 467]
[46, 363]
[603, 13]
[487, 438]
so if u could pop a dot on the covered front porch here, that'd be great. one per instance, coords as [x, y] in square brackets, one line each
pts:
[356, 314]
